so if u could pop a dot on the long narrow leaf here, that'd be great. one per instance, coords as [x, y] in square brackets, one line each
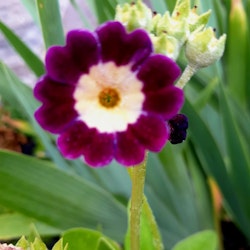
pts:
[50, 21]
[25, 102]
[32, 60]
[239, 165]
[31, 7]
[236, 52]
[212, 160]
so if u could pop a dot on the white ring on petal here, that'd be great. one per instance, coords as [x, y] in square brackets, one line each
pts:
[129, 88]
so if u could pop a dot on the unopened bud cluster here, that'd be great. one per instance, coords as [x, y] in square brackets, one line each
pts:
[170, 32]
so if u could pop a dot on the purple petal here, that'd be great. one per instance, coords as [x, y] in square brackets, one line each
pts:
[66, 64]
[74, 140]
[100, 151]
[122, 47]
[56, 117]
[128, 151]
[84, 49]
[47, 90]
[157, 72]
[151, 131]
[164, 102]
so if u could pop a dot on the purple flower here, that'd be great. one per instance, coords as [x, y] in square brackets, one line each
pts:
[108, 96]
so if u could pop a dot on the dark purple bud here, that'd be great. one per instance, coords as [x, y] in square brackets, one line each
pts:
[178, 126]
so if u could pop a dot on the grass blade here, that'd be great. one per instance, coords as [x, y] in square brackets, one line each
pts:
[32, 60]
[50, 22]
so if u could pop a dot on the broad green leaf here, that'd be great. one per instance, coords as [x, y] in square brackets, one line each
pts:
[81, 238]
[32, 60]
[14, 225]
[50, 22]
[206, 240]
[38, 190]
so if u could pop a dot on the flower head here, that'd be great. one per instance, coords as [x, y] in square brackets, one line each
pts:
[108, 95]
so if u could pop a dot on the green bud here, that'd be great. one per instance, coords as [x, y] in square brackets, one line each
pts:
[203, 48]
[134, 15]
[176, 28]
[181, 9]
[166, 45]
[197, 21]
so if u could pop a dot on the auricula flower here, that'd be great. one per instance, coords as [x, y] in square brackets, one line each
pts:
[108, 96]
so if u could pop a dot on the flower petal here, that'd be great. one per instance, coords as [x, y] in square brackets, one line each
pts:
[97, 148]
[157, 72]
[100, 151]
[66, 64]
[84, 49]
[151, 131]
[122, 47]
[165, 102]
[55, 118]
[48, 90]
[128, 150]
[75, 139]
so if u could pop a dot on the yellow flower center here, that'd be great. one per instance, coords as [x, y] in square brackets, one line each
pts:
[109, 97]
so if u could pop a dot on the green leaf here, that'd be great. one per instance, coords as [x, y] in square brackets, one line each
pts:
[37, 189]
[237, 52]
[150, 238]
[30, 5]
[212, 160]
[238, 157]
[59, 245]
[206, 240]
[15, 225]
[38, 244]
[105, 9]
[32, 60]
[169, 185]
[50, 22]
[21, 96]
[81, 238]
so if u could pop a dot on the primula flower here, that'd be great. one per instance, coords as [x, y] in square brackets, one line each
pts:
[108, 96]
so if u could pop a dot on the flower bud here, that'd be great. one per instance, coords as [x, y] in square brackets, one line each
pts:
[167, 45]
[134, 15]
[203, 48]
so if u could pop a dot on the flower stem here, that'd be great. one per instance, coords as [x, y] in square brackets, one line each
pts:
[186, 75]
[137, 175]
